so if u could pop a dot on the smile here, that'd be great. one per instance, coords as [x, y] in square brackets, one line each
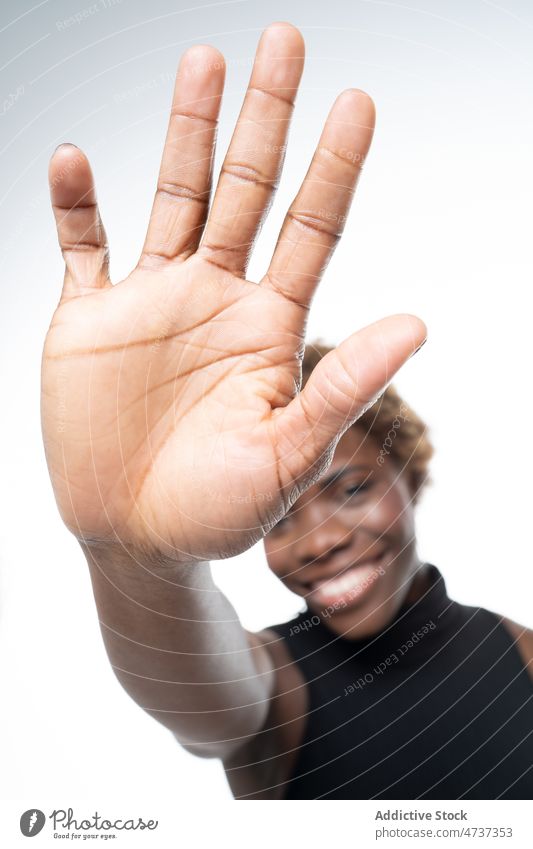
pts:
[351, 586]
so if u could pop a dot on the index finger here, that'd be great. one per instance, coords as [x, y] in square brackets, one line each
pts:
[317, 216]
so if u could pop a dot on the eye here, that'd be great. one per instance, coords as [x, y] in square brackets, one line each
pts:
[282, 525]
[353, 490]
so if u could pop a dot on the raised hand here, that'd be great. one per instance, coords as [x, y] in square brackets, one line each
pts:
[171, 414]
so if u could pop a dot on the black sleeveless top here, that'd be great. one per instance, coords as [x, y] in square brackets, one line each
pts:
[437, 706]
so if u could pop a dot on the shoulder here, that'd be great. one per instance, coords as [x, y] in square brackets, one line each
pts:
[261, 768]
[523, 638]
[521, 635]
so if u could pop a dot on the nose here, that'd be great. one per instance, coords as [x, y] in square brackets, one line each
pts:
[327, 537]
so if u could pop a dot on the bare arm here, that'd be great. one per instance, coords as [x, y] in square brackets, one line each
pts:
[176, 645]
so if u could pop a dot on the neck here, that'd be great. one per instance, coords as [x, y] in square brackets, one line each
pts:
[419, 584]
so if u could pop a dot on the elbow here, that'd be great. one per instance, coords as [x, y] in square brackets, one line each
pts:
[223, 739]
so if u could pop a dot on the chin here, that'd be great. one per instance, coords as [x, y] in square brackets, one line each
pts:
[366, 615]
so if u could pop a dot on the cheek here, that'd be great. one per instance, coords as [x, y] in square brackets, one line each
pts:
[389, 515]
[402, 518]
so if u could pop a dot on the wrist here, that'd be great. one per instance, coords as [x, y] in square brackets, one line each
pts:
[144, 574]
[129, 554]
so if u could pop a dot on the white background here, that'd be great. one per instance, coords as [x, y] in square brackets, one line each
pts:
[441, 227]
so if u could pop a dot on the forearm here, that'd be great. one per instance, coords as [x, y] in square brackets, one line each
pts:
[178, 648]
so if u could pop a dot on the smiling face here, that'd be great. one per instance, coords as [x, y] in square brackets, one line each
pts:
[348, 545]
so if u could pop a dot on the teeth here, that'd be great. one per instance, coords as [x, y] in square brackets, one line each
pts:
[354, 580]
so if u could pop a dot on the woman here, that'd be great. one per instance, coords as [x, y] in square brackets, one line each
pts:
[386, 687]
[177, 431]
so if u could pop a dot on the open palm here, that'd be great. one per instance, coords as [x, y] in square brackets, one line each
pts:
[172, 416]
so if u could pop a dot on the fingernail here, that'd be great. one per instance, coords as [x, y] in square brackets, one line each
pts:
[420, 346]
[66, 144]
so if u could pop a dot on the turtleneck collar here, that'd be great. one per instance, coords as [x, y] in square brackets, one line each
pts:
[432, 606]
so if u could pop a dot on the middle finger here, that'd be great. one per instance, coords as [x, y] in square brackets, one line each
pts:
[253, 162]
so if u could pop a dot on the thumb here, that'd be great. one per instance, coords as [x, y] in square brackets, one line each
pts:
[346, 382]
[80, 231]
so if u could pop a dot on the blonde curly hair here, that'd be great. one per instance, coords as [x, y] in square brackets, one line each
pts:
[392, 423]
